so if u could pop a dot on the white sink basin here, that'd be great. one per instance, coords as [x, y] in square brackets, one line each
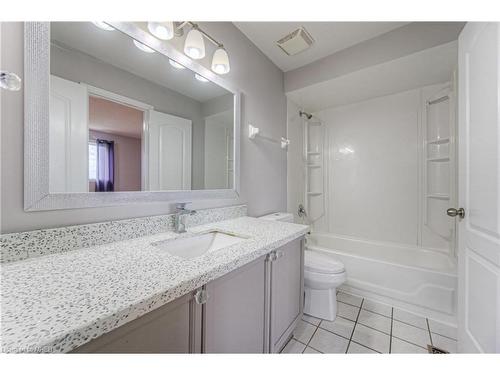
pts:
[198, 245]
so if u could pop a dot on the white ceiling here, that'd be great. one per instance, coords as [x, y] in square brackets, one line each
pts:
[329, 37]
[116, 48]
[430, 66]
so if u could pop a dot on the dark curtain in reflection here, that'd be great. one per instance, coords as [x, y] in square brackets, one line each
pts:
[105, 165]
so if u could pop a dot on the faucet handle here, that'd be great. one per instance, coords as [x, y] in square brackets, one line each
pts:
[181, 205]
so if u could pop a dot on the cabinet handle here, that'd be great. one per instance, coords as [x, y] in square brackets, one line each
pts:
[201, 296]
[275, 255]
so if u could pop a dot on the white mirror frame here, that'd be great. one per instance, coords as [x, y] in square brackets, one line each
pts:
[37, 196]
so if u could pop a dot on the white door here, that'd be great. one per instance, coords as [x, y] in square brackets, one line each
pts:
[479, 185]
[219, 151]
[68, 137]
[169, 152]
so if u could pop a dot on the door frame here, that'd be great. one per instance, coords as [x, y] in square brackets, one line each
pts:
[129, 102]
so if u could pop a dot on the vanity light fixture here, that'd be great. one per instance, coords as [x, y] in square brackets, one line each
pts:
[143, 47]
[162, 30]
[220, 61]
[175, 64]
[200, 78]
[103, 25]
[194, 46]
[9, 81]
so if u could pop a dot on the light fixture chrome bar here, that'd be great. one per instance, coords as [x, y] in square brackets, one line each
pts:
[205, 34]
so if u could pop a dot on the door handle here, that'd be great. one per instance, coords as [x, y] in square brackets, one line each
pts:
[456, 212]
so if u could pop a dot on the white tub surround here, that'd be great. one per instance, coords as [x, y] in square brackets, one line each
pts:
[23, 245]
[415, 279]
[58, 302]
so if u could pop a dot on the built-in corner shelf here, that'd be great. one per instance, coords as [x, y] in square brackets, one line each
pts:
[313, 193]
[438, 141]
[312, 166]
[438, 159]
[438, 196]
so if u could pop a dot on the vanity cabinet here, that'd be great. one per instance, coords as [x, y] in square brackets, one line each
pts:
[234, 314]
[253, 309]
[172, 328]
[286, 297]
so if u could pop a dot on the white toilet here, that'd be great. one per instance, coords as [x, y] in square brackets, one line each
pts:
[323, 274]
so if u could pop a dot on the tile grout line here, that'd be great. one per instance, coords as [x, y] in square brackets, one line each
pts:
[413, 325]
[354, 328]
[373, 328]
[409, 342]
[392, 322]
[310, 339]
[429, 330]
[367, 347]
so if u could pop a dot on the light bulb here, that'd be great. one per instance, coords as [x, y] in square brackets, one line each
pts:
[10, 81]
[143, 47]
[200, 78]
[162, 30]
[176, 65]
[103, 26]
[194, 46]
[220, 61]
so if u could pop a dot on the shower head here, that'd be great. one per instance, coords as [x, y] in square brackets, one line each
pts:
[308, 115]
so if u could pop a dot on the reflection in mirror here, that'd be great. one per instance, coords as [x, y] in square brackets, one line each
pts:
[124, 117]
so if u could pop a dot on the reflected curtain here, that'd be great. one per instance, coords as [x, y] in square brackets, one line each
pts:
[105, 165]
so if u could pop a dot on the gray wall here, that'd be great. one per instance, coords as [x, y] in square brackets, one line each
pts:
[79, 67]
[263, 164]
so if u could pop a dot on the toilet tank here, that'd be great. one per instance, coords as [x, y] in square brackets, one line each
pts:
[279, 216]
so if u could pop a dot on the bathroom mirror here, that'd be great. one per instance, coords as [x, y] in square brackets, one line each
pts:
[114, 115]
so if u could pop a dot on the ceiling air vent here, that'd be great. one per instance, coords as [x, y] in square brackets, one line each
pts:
[296, 42]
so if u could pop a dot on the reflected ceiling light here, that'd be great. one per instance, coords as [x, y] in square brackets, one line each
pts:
[220, 61]
[162, 30]
[10, 81]
[176, 65]
[194, 46]
[143, 47]
[103, 25]
[200, 78]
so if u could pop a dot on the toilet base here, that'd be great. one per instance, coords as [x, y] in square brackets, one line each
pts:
[321, 303]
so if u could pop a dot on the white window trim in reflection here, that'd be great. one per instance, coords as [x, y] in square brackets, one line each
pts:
[92, 160]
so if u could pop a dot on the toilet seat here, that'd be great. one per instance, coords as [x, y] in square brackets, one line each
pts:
[320, 263]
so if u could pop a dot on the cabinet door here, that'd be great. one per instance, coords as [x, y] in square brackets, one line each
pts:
[235, 311]
[172, 328]
[286, 292]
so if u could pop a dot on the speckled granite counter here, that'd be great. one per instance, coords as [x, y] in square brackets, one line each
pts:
[58, 302]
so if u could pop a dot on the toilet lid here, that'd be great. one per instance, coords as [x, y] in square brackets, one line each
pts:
[315, 261]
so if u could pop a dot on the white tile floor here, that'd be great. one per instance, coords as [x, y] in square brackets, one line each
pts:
[364, 326]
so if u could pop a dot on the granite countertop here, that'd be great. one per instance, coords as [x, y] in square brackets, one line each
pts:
[58, 302]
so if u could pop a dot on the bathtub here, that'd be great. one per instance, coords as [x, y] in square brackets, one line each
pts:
[414, 279]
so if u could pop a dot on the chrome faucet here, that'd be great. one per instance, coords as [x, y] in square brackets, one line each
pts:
[179, 217]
